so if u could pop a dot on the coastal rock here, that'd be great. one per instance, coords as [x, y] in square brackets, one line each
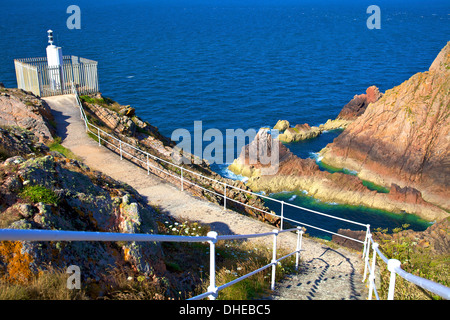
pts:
[348, 114]
[56, 193]
[296, 174]
[25, 110]
[281, 125]
[299, 133]
[113, 120]
[402, 138]
[359, 103]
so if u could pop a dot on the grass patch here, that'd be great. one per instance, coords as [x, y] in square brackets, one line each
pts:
[103, 101]
[39, 193]
[57, 146]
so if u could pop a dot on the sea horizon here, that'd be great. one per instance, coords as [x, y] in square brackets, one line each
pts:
[236, 64]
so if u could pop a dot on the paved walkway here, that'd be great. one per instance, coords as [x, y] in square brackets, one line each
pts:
[325, 273]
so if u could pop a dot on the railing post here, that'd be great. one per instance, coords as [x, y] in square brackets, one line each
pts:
[392, 265]
[120, 146]
[98, 134]
[212, 265]
[372, 270]
[282, 214]
[366, 260]
[299, 246]
[224, 196]
[181, 178]
[365, 240]
[148, 166]
[274, 258]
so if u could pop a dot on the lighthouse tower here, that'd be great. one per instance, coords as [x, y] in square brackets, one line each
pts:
[55, 62]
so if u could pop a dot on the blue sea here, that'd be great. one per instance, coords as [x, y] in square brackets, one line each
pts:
[238, 64]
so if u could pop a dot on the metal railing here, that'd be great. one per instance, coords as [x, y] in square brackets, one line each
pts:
[394, 267]
[392, 264]
[35, 75]
[144, 159]
[212, 237]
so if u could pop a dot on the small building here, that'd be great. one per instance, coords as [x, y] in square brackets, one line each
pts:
[54, 75]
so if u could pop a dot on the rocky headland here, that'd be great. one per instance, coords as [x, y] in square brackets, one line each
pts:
[398, 140]
[403, 138]
[350, 112]
[122, 122]
[42, 188]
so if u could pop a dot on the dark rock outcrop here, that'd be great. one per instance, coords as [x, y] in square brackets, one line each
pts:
[359, 103]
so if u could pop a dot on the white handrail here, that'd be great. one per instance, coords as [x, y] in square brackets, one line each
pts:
[393, 265]
[183, 179]
[212, 238]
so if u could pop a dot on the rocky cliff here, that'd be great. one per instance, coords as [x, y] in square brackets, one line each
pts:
[44, 189]
[295, 173]
[20, 109]
[124, 124]
[401, 141]
[403, 138]
[358, 105]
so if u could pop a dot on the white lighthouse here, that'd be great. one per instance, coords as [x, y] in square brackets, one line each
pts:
[55, 62]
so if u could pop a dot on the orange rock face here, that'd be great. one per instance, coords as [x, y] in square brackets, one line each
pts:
[359, 103]
[403, 138]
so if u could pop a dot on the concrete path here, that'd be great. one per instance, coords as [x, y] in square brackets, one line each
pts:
[325, 273]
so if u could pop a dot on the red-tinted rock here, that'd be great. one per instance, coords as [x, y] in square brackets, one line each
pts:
[359, 103]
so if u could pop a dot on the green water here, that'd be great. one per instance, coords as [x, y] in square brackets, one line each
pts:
[375, 217]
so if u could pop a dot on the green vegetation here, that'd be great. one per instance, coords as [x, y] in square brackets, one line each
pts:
[48, 285]
[39, 193]
[417, 258]
[103, 101]
[331, 169]
[233, 260]
[100, 101]
[56, 146]
[373, 186]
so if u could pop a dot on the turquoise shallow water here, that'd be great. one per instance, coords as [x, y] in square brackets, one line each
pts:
[376, 218]
[236, 64]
